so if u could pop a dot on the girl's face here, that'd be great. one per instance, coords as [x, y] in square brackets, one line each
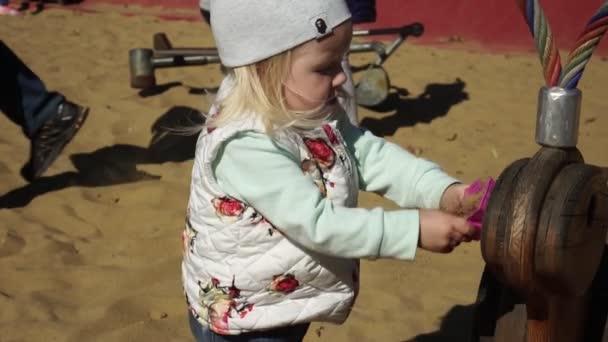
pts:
[316, 70]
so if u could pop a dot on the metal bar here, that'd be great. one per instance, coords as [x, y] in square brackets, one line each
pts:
[359, 33]
[210, 52]
[367, 47]
[175, 61]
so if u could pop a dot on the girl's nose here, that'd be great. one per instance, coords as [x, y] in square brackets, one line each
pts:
[339, 79]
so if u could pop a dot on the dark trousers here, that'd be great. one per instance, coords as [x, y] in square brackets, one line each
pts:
[23, 96]
[363, 11]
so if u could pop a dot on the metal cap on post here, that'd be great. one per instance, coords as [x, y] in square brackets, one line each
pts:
[558, 117]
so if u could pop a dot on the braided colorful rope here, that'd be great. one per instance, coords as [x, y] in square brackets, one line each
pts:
[585, 45]
[545, 42]
[547, 48]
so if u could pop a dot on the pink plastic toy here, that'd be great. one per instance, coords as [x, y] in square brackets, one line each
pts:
[475, 201]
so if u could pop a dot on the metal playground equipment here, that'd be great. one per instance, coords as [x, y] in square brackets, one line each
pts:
[544, 231]
[372, 89]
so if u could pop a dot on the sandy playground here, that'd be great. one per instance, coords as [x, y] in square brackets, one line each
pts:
[91, 251]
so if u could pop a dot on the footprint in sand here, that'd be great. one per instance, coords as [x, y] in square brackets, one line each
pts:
[93, 195]
[11, 244]
[4, 168]
[124, 315]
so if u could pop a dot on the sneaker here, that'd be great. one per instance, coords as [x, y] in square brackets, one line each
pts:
[8, 10]
[52, 137]
[25, 5]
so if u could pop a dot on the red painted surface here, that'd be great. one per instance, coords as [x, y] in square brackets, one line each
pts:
[491, 23]
[152, 3]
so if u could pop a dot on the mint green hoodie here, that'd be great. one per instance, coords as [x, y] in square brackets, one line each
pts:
[252, 168]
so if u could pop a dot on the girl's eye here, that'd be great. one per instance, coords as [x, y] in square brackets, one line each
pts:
[330, 71]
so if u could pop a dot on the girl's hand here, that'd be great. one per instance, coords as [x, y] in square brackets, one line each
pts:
[457, 201]
[442, 232]
[453, 198]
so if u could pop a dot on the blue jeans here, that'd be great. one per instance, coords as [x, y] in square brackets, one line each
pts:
[23, 96]
[287, 334]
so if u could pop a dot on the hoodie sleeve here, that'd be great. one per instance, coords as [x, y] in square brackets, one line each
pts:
[252, 168]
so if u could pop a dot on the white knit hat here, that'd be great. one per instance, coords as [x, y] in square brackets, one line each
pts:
[248, 31]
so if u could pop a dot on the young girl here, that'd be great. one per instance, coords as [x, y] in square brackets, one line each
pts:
[273, 234]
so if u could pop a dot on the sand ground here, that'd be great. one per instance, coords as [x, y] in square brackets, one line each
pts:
[91, 252]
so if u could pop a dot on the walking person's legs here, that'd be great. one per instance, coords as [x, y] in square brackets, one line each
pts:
[47, 118]
[23, 96]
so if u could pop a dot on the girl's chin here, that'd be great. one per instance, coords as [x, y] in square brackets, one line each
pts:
[308, 108]
[321, 105]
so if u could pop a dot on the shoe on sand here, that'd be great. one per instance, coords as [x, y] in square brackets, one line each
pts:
[52, 137]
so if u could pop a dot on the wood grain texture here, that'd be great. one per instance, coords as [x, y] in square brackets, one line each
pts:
[498, 213]
[528, 195]
[572, 230]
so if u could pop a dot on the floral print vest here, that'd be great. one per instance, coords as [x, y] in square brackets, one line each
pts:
[240, 273]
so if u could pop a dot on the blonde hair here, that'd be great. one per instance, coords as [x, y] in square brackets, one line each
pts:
[258, 89]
